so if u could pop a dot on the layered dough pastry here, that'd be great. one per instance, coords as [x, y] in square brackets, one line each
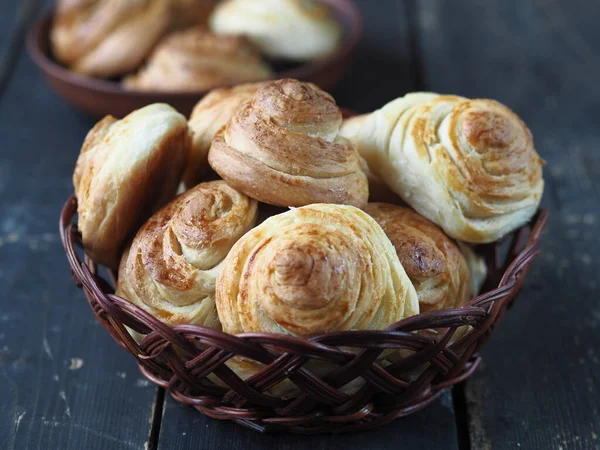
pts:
[286, 29]
[312, 270]
[445, 275]
[195, 59]
[106, 38]
[283, 148]
[468, 165]
[126, 170]
[208, 116]
[172, 264]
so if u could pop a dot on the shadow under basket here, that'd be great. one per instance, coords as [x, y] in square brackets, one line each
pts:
[190, 360]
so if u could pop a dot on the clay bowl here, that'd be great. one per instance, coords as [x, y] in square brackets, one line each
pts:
[98, 97]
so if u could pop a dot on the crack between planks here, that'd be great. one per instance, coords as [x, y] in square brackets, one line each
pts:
[13, 52]
[156, 419]
[417, 66]
[461, 414]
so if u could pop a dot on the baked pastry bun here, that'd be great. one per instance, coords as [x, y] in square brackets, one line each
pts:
[208, 116]
[106, 38]
[126, 170]
[311, 270]
[283, 148]
[195, 60]
[285, 29]
[443, 276]
[172, 264]
[467, 165]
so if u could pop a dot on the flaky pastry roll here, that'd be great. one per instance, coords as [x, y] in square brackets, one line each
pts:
[283, 148]
[172, 264]
[467, 165]
[445, 275]
[126, 170]
[106, 38]
[195, 60]
[312, 270]
[285, 29]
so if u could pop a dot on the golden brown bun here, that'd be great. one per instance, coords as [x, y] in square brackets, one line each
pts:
[106, 38]
[467, 165]
[283, 148]
[433, 261]
[196, 60]
[126, 170]
[312, 270]
[172, 264]
[208, 116]
[287, 29]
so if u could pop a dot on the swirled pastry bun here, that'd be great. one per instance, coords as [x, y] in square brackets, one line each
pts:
[172, 264]
[285, 29]
[195, 60]
[311, 270]
[208, 116]
[106, 38]
[283, 148]
[126, 170]
[467, 165]
[443, 276]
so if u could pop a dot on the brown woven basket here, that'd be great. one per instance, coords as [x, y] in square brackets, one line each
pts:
[187, 359]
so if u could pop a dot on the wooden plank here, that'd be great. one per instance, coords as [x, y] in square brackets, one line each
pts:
[185, 428]
[380, 72]
[14, 22]
[540, 381]
[64, 383]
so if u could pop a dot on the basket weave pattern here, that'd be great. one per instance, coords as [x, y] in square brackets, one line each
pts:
[187, 359]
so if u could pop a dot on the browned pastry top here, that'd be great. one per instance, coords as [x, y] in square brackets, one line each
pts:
[283, 148]
[195, 59]
[432, 260]
[171, 267]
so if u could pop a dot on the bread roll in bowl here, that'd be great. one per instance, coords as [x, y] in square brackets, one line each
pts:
[172, 264]
[196, 60]
[106, 38]
[283, 148]
[286, 29]
[467, 165]
[126, 170]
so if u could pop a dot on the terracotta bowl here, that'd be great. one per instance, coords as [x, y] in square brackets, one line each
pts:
[98, 97]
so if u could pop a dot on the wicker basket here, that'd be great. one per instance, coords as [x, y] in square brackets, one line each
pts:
[187, 359]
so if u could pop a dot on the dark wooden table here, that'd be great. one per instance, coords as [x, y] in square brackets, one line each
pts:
[65, 385]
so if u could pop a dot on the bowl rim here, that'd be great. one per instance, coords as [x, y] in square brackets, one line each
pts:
[39, 33]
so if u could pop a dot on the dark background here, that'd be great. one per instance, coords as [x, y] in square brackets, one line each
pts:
[65, 385]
